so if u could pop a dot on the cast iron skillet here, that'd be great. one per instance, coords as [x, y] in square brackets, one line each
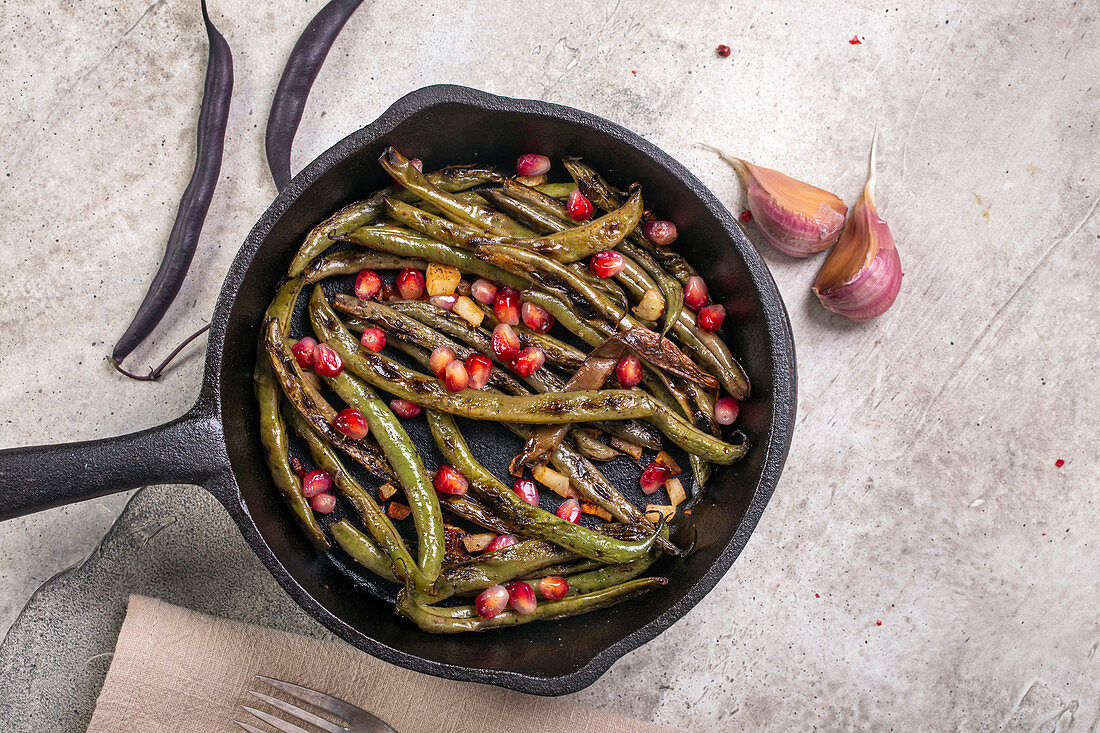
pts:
[216, 444]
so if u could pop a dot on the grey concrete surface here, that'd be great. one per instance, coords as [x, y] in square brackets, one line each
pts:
[921, 490]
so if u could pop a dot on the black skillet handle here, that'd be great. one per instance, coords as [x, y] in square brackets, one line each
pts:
[188, 450]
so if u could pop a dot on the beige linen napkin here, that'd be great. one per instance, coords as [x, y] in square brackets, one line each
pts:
[179, 670]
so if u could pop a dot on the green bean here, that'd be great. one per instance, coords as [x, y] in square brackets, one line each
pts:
[512, 508]
[662, 389]
[462, 212]
[433, 226]
[578, 242]
[406, 243]
[557, 190]
[351, 261]
[405, 460]
[538, 199]
[362, 550]
[610, 575]
[523, 212]
[273, 435]
[544, 409]
[313, 407]
[436, 620]
[498, 567]
[592, 331]
[671, 288]
[558, 353]
[472, 510]
[736, 382]
[582, 565]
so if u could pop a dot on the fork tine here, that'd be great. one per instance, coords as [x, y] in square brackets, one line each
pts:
[327, 703]
[297, 712]
[275, 722]
[249, 728]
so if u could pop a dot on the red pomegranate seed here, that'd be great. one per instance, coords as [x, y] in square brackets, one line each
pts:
[440, 358]
[500, 542]
[569, 510]
[449, 481]
[478, 369]
[629, 371]
[723, 50]
[404, 408]
[521, 597]
[746, 215]
[455, 377]
[484, 291]
[367, 284]
[531, 164]
[695, 293]
[528, 361]
[659, 231]
[654, 477]
[303, 351]
[606, 264]
[578, 206]
[553, 587]
[373, 339]
[711, 317]
[316, 482]
[351, 423]
[726, 410]
[526, 490]
[410, 283]
[323, 503]
[505, 342]
[327, 362]
[506, 306]
[491, 601]
[446, 302]
[536, 318]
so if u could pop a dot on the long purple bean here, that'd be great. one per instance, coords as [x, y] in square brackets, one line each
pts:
[180, 250]
[298, 76]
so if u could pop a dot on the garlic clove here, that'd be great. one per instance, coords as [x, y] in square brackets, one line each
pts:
[794, 217]
[861, 277]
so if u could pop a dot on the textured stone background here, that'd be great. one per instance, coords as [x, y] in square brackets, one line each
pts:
[921, 489]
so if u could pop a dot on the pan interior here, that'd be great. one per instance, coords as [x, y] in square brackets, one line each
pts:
[445, 133]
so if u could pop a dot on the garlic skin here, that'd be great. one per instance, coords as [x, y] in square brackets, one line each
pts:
[794, 217]
[861, 277]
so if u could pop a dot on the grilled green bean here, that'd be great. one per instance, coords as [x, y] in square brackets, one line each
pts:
[583, 565]
[523, 212]
[437, 620]
[669, 286]
[405, 460]
[558, 353]
[351, 261]
[273, 435]
[363, 550]
[610, 575]
[498, 567]
[437, 228]
[557, 190]
[472, 510]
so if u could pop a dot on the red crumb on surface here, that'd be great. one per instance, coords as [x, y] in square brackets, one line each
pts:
[855, 40]
[878, 623]
[632, 71]
[723, 50]
[817, 595]
[1059, 463]
[746, 215]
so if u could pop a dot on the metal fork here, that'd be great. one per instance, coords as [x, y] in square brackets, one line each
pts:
[355, 720]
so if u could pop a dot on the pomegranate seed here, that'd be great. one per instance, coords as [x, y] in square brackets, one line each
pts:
[449, 481]
[351, 423]
[410, 283]
[506, 306]
[659, 231]
[525, 489]
[303, 351]
[654, 477]
[446, 302]
[528, 361]
[404, 408]
[629, 371]
[536, 318]
[570, 510]
[440, 358]
[327, 362]
[521, 596]
[484, 291]
[373, 339]
[316, 482]
[500, 542]
[478, 369]
[505, 342]
[695, 293]
[746, 215]
[726, 410]
[553, 587]
[491, 601]
[367, 285]
[723, 50]
[606, 264]
[711, 317]
[323, 503]
[532, 165]
[455, 377]
[578, 206]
